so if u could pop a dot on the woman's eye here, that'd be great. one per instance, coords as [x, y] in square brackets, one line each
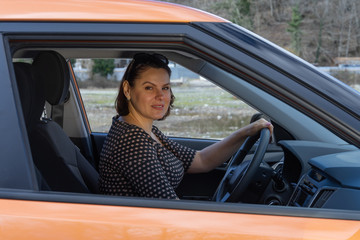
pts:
[166, 88]
[148, 88]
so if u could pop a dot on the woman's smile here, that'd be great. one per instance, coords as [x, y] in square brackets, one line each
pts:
[158, 106]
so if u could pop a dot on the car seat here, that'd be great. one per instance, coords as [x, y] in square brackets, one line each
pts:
[56, 157]
[27, 91]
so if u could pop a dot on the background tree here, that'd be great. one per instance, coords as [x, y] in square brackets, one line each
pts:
[239, 11]
[321, 13]
[294, 30]
[103, 66]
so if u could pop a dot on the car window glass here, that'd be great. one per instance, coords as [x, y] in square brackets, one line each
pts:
[201, 108]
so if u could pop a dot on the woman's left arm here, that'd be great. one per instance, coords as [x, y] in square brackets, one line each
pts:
[217, 153]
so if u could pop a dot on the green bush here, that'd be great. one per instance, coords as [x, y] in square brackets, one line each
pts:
[103, 66]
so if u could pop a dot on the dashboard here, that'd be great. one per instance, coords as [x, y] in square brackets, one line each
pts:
[329, 174]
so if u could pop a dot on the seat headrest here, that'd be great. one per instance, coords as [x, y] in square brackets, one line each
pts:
[32, 100]
[52, 71]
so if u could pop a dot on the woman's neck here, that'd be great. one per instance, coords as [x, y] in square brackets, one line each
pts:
[132, 119]
[146, 126]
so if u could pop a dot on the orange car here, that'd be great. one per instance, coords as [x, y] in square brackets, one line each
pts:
[305, 184]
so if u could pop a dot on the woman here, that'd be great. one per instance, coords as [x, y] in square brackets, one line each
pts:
[137, 159]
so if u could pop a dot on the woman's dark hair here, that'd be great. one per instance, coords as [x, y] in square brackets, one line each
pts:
[140, 63]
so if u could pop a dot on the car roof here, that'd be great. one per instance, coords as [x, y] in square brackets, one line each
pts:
[100, 10]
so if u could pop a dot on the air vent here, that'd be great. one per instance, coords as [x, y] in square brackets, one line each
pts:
[322, 197]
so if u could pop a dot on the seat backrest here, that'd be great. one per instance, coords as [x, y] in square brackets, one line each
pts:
[29, 94]
[27, 91]
[58, 160]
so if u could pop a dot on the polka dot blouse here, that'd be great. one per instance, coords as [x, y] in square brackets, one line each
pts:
[134, 164]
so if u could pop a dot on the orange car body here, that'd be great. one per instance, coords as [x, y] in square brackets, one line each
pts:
[41, 220]
[29, 219]
[103, 11]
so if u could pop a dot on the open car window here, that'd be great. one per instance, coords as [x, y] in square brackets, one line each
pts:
[201, 108]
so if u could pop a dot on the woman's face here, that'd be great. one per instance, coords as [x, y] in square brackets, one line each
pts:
[150, 95]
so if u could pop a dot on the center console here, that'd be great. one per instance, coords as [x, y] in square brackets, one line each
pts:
[313, 190]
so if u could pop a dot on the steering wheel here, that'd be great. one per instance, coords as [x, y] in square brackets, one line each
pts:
[238, 176]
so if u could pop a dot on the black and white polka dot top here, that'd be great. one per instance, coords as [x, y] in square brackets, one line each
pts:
[134, 164]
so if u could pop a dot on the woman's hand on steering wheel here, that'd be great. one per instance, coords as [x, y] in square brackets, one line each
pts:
[255, 127]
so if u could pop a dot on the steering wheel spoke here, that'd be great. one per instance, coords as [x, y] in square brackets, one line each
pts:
[239, 174]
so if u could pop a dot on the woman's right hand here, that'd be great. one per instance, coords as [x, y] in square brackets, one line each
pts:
[256, 126]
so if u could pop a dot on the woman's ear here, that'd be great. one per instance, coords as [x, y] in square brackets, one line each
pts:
[126, 87]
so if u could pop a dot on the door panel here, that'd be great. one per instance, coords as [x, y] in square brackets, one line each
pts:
[39, 220]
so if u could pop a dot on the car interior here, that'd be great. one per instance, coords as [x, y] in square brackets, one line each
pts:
[290, 170]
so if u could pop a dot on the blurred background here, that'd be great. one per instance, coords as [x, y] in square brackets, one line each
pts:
[325, 33]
